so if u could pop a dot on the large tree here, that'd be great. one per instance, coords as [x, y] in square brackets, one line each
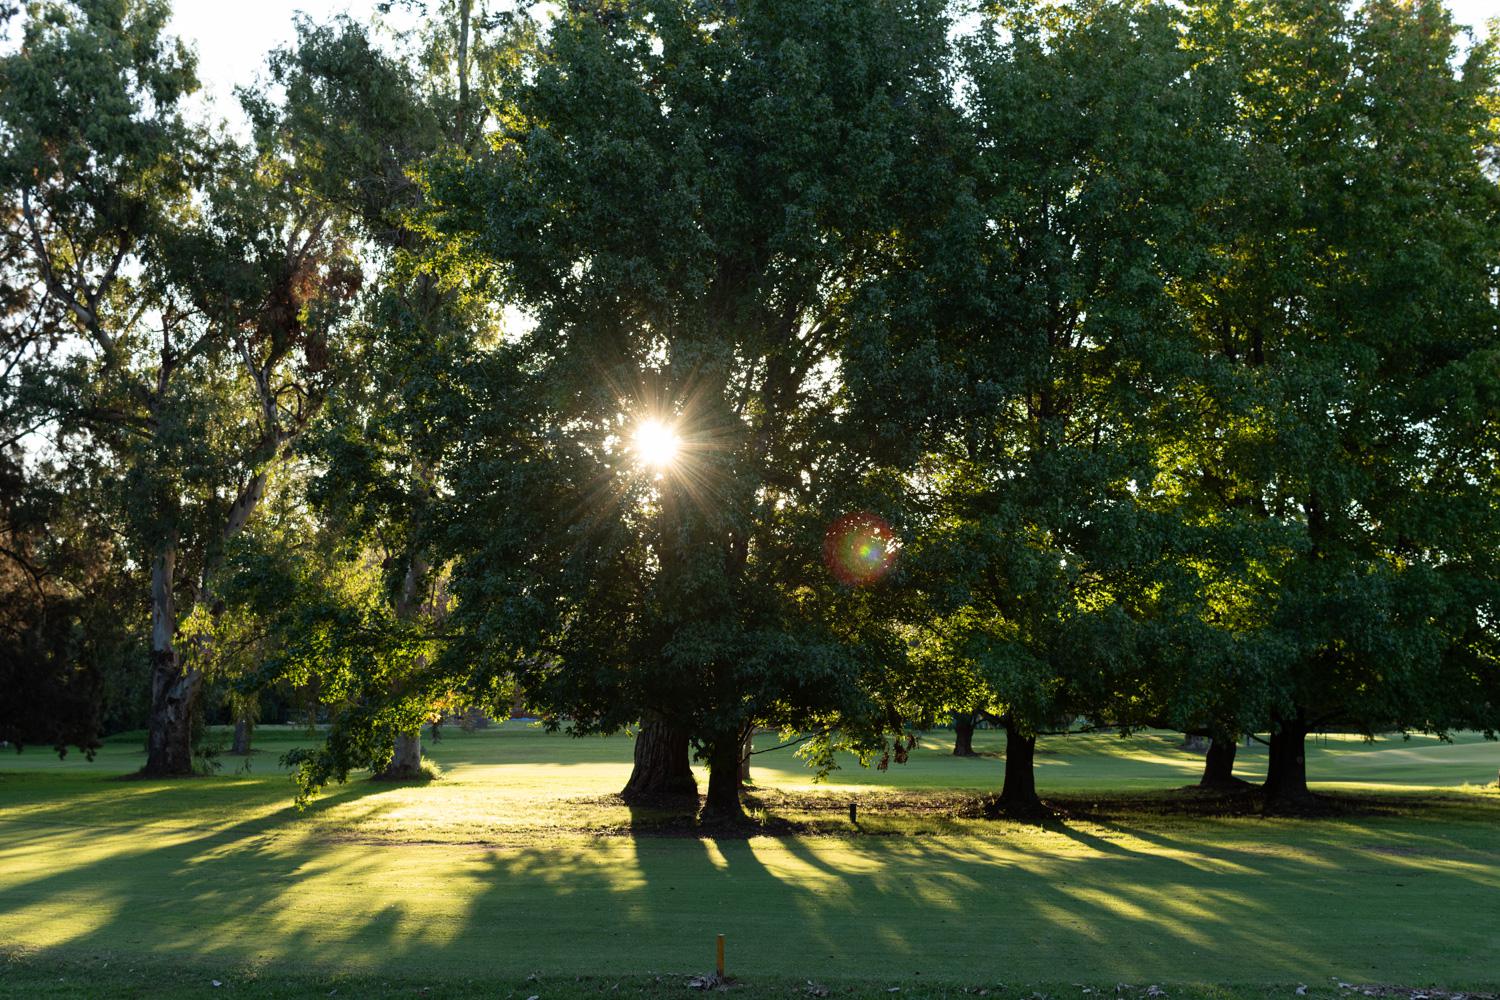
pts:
[200, 289]
[1351, 322]
[366, 121]
[1051, 563]
[688, 199]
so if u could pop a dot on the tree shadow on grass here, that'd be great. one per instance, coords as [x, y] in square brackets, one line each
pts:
[1105, 899]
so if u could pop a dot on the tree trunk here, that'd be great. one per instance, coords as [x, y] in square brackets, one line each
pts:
[406, 761]
[1286, 770]
[963, 734]
[463, 70]
[243, 729]
[745, 750]
[406, 748]
[1018, 796]
[174, 689]
[722, 805]
[1218, 764]
[663, 764]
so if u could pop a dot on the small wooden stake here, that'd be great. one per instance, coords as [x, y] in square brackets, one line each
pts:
[854, 813]
[719, 964]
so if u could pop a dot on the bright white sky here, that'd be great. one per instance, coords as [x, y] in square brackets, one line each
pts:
[233, 37]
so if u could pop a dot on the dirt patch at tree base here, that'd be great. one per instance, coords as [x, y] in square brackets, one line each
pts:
[774, 812]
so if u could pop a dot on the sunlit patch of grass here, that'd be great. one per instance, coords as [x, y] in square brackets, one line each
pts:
[522, 859]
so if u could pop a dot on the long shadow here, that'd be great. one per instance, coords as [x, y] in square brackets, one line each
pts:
[133, 894]
[1113, 899]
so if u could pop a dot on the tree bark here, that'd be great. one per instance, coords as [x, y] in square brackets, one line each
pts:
[406, 748]
[745, 750]
[243, 730]
[963, 734]
[663, 764]
[1018, 795]
[174, 687]
[1286, 770]
[1218, 764]
[406, 761]
[722, 804]
[463, 71]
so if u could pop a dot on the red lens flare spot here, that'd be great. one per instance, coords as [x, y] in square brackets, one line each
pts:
[859, 548]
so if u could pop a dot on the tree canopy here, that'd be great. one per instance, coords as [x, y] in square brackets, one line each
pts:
[815, 365]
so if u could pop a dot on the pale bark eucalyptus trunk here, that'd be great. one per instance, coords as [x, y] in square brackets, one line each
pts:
[406, 756]
[174, 684]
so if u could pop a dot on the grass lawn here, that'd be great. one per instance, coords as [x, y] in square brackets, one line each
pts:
[516, 864]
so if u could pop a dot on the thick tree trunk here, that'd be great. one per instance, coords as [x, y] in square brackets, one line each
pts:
[174, 688]
[663, 763]
[1020, 772]
[963, 734]
[722, 805]
[1018, 796]
[406, 761]
[1218, 764]
[243, 730]
[1286, 770]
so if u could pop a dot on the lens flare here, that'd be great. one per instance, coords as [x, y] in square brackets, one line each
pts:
[859, 548]
[655, 444]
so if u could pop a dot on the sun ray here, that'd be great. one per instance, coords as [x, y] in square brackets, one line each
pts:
[655, 444]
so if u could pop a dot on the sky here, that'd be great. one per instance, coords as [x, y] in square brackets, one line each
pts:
[232, 38]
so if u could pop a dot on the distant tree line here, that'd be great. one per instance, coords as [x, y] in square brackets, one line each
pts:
[832, 366]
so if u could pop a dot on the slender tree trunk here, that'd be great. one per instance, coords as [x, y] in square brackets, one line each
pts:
[406, 748]
[174, 688]
[406, 761]
[663, 764]
[745, 750]
[243, 730]
[1218, 764]
[1286, 770]
[463, 70]
[722, 805]
[963, 734]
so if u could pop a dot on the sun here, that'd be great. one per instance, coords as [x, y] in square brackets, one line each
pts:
[655, 444]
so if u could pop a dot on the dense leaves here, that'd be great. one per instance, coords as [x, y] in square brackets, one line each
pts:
[821, 365]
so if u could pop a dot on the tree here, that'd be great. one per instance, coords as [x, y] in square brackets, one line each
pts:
[367, 123]
[688, 199]
[201, 291]
[1052, 560]
[1350, 320]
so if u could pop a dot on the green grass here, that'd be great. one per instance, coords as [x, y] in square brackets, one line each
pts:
[514, 863]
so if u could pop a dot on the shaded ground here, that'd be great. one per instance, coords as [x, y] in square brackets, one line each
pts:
[498, 871]
[89, 978]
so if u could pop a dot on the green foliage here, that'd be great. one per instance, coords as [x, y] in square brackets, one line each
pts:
[1349, 325]
[203, 289]
[1127, 362]
[364, 125]
[1059, 578]
[688, 200]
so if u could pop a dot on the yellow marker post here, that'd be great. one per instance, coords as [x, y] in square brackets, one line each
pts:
[719, 964]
